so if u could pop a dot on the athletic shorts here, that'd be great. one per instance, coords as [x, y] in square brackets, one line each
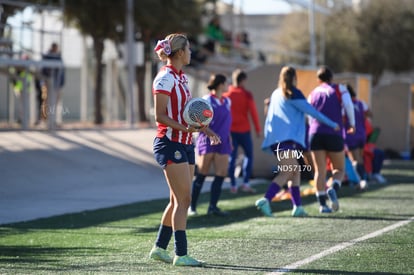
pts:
[167, 152]
[355, 144]
[326, 142]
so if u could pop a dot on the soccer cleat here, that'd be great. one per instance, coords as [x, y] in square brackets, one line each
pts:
[363, 184]
[160, 254]
[264, 206]
[186, 261]
[298, 211]
[334, 199]
[233, 189]
[217, 212]
[379, 178]
[191, 212]
[248, 189]
[324, 209]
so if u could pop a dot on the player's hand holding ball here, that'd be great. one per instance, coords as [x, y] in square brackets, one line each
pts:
[198, 114]
[214, 138]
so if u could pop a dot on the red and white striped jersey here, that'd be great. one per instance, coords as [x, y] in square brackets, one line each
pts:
[174, 84]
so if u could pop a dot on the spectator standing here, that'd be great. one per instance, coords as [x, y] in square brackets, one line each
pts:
[217, 155]
[21, 77]
[243, 106]
[54, 79]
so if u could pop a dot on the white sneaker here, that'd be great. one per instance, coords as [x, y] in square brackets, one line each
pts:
[334, 199]
[191, 212]
[379, 178]
[363, 184]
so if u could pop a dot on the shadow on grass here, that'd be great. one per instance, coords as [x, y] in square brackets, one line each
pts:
[243, 209]
[291, 271]
[37, 254]
[249, 211]
[93, 217]
[41, 260]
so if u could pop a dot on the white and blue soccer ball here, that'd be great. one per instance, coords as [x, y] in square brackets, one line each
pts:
[198, 112]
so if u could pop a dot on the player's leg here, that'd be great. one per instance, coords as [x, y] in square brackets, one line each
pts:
[247, 144]
[220, 167]
[319, 163]
[232, 162]
[203, 164]
[338, 167]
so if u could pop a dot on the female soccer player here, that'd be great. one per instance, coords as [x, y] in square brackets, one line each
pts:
[218, 155]
[355, 142]
[173, 148]
[329, 98]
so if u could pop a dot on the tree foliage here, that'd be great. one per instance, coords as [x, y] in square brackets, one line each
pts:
[9, 10]
[377, 37]
[386, 29]
[6, 13]
[294, 38]
[156, 19]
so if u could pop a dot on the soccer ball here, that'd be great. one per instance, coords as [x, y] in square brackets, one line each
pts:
[198, 112]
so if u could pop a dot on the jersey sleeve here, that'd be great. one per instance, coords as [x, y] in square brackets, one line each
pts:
[306, 108]
[163, 83]
[365, 106]
[348, 105]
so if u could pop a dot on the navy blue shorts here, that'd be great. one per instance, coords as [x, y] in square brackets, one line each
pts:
[167, 152]
[326, 142]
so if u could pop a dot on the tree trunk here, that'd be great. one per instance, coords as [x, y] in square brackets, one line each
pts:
[99, 48]
[7, 12]
[140, 76]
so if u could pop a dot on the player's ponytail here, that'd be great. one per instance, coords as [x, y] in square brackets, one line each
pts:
[215, 80]
[287, 81]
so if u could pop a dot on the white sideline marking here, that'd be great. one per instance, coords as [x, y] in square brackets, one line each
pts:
[339, 247]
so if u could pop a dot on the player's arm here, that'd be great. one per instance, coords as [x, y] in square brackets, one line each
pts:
[348, 106]
[303, 106]
[160, 105]
[255, 116]
[214, 138]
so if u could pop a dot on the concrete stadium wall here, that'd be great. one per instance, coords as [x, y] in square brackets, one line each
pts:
[393, 109]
